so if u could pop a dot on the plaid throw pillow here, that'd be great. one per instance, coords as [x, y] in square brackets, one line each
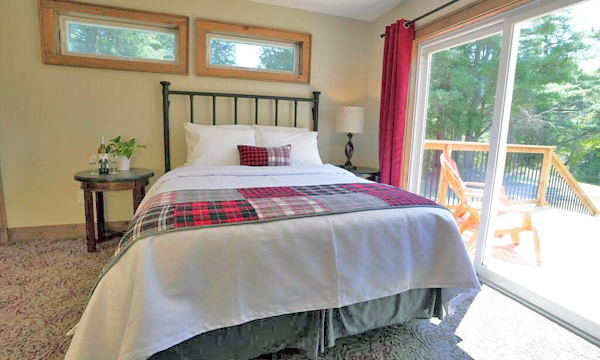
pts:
[265, 156]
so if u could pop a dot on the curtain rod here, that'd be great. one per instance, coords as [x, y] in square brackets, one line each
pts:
[409, 23]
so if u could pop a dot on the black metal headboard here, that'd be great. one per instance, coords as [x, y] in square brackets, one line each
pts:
[166, 92]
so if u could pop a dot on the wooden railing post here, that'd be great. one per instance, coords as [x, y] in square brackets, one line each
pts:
[443, 182]
[544, 177]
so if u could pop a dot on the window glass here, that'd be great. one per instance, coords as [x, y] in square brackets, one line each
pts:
[253, 54]
[462, 92]
[555, 118]
[103, 39]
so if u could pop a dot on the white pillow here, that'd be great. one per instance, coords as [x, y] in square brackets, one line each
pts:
[193, 132]
[278, 128]
[216, 145]
[304, 144]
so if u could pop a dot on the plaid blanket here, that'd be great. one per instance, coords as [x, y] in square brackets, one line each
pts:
[194, 209]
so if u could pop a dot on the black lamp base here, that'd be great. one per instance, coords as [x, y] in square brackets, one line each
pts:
[349, 152]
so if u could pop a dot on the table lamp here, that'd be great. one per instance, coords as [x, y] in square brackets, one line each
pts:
[350, 120]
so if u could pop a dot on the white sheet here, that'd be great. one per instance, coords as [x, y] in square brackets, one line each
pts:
[171, 287]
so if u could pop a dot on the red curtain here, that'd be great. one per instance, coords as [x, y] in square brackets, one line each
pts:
[394, 96]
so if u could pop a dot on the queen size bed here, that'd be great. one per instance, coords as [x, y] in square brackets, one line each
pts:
[225, 261]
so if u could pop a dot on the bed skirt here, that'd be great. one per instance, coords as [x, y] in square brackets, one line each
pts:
[312, 332]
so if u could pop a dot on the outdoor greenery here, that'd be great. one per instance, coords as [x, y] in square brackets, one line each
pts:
[276, 58]
[269, 57]
[555, 101]
[121, 42]
[222, 52]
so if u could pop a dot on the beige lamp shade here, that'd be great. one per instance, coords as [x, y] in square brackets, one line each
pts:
[351, 120]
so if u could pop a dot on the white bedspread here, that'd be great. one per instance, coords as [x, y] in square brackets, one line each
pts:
[170, 287]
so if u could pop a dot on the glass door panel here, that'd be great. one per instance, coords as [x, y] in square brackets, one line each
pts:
[460, 107]
[546, 238]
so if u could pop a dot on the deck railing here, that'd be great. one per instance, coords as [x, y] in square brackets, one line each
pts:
[533, 175]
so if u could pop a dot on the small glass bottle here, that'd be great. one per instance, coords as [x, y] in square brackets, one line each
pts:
[103, 158]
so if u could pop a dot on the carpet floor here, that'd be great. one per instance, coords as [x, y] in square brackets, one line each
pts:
[44, 286]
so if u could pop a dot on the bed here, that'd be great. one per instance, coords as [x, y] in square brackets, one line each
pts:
[344, 256]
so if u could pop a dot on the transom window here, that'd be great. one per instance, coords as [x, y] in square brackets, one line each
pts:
[252, 54]
[106, 37]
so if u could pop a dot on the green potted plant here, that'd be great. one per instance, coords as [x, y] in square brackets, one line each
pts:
[123, 150]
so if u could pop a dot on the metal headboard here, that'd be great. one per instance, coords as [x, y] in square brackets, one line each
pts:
[166, 103]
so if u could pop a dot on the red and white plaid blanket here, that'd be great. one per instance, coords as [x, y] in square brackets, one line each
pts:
[193, 209]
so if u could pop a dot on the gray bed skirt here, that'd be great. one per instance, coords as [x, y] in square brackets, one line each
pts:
[312, 332]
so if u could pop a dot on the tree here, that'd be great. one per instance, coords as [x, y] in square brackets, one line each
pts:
[276, 58]
[554, 101]
[120, 42]
[462, 91]
[222, 52]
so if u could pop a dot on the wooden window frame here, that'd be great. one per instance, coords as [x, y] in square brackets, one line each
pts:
[205, 27]
[51, 53]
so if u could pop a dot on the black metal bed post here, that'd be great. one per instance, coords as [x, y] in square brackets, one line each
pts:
[192, 109]
[315, 110]
[276, 112]
[256, 111]
[214, 98]
[165, 93]
[295, 113]
[235, 110]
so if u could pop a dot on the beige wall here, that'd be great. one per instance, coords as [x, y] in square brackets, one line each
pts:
[52, 117]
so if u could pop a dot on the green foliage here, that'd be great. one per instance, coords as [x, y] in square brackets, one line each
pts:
[554, 101]
[222, 52]
[462, 91]
[276, 58]
[123, 148]
[119, 42]
[270, 57]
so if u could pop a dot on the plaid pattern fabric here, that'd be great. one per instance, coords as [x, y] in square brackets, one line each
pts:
[212, 212]
[181, 196]
[395, 197]
[349, 202]
[274, 208]
[317, 190]
[270, 192]
[190, 209]
[265, 156]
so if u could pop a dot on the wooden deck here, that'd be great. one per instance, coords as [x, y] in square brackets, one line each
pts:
[570, 254]
[551, 179]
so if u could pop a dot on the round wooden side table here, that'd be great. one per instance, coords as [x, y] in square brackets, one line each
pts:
[135, 179]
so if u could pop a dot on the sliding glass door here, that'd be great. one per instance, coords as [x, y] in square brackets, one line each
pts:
[507, 135]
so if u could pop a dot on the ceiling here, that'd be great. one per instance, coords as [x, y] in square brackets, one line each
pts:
[367, 10]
